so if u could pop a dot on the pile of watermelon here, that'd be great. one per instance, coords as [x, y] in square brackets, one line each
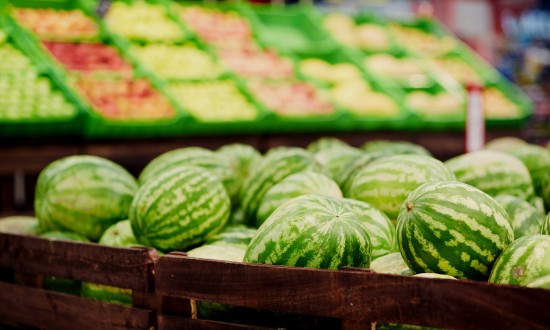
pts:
[387, 205]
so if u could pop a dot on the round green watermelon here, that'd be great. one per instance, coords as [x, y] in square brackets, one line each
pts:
[537, 161]
[542, 282]
[504, 144]
[434, 275]
[526, 219]
[295, 185]
[452, 228]
[120, 234]
[525, 260]
[494, 172]
[392, 263]
[233, 234]
[545, 229]
[325, 143]
[83, 194]
[106, 293]
[347, 174]
[312, 231]
[336, 158]
[395, 147]
[227, 252]
[215, 163]
[242, 158]
[381, 229]
[19, 225]
[386, 182]
[180, 208]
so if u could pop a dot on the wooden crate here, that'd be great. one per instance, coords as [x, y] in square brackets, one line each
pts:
[25, 303]
[358, 297]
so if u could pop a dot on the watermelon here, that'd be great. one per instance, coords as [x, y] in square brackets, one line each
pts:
[504, 144]
[396, 326]
[120, 234]
[545, 230]
[277, 164]
[537, 161]
[538, 203]
[525, 260]
[345, 177]
[298, 184]
[526, 219]
[381, 229]
[180, 208]
[228, 252]
[494, 172]
[242, 158]
[542, 282]
[395, 147]
[19, 225]
[57, 283]
[325, 143]
[452, 228]
[386, 182]
[83, 194]
[434, 275]
[233, 234]
[392, 263]
[237, 216]
[215, 163]
[336, 158]
[312, 231]
[106, 293]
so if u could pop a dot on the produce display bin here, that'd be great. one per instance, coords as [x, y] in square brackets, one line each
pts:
[357, 297]
[28, 259]
[516, 96]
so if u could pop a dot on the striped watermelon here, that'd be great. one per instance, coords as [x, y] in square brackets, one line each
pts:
[526, 219]
[386, 182]
[233, 234]
[277, 164]
[395, 147]
[504, 143]
[336, 158]
[392, 263]
[120, 234]
[538, 203]
[106, 293]
[349, 170]
[525, 260]
[227, 252]
[19, 225]
[381, 229]
[434, 275]
[312, 231]
[64, 236]
[494, 172]
[242, 158]
[83, 194]
[325, 143]
[180, 208]
[542, 282]
[537, 161]
[298, 184]
[215, 163]
[452, 228]
[545, 230]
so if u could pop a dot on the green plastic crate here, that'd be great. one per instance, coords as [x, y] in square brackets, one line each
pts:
[518, 97]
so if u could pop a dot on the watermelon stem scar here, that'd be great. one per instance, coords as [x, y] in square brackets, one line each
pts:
[409, 206]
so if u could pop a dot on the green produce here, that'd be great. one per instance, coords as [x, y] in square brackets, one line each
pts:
[505, 144]
[386, 182]
[336, 158]
[545, 230]
[233, 234]
[452, 228]
[380, 228]
[537, 161]
[526, 219]
[106, 293]
[19, 225]
[242, 158]
[347, 174]
[14, 61]
[64, 236]
[312, 231]
[524, 261]
[83, 194]
[494, 172]
[542, 282]
[325, 143]
[228, 252]
[277, 164]
[295, 185]
[392, 263]
[193, 156]
[395, 147]
[179, 208]
[120, 234]
[433, 275]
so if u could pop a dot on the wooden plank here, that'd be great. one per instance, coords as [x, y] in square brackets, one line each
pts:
[46, 309]
[32, 158]
[121, 267]
[173, 322]
[355, 295]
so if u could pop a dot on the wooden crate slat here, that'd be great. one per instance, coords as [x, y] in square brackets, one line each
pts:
[41, 308]
[355, 295]
[173, 322]
[121, 267]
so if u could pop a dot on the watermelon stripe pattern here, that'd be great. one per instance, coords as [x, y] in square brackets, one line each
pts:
[381, 230]
[193, 156]
[494, 172]
[542, 282]
[386, 182]
[233, 234]
[526, 219]
[295, 185]
[274, 167]
[395, 147]
[392, 263]
[312, 231]
[454, 229]
[336, 158]
[545, 230]
[178, 209]
[537, 161]
[346, 175]
[525, 260]
[83, 194]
